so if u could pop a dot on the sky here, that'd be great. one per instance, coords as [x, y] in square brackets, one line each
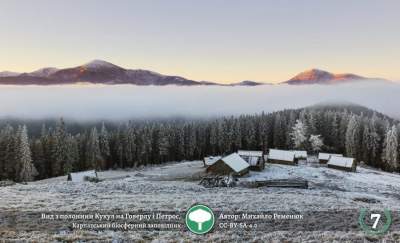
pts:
[214, 40]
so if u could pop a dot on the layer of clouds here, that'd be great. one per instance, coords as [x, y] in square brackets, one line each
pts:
[126, 101]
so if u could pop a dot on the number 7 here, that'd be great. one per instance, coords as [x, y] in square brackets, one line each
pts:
[377, 216]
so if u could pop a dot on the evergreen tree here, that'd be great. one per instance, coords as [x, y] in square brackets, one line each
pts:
[279, 132]
[299, 135]
[352, 137]
[72, 160]
[94, 160]
[104, 143]
[164, 144]
[316, 143]
[25, 170]
[7, 153]
[391, 150]
[59, 149]
[370, 142]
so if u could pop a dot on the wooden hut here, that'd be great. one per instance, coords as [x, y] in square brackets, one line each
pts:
[254, 158]
[81, 176]
[342, 163]
[300, 154]
[207, 161]
[324, 157]
[277, 156]
[231, 164]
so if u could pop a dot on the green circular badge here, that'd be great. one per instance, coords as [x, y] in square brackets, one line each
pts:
[374, 229]
[200, 219]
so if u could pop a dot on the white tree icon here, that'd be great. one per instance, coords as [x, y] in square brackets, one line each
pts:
[200, 216]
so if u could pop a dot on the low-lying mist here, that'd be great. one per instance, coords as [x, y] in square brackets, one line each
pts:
[117, 102]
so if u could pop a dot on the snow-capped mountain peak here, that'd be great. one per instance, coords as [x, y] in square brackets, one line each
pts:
[317, 76]
[96, 64]
[44, 72]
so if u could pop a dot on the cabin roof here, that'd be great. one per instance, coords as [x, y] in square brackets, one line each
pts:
[250, 153]
[211, 159]
[235, 162]
[326, 156]
[300, 153]
[284, 155]
[341, 161]
[80, 176]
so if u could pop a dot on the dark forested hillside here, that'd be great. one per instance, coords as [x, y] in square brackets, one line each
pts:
[40, 149]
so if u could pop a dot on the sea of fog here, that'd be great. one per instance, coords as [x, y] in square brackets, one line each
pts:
[117, 102]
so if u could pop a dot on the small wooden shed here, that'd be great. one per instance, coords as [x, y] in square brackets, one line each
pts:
[324, 157]
[277, 156]
[81, 176]
[300, 154]
[207, 161]
[231, 164]
[254, 158]
[342, 163]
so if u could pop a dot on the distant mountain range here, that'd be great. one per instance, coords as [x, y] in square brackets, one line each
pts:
[102, 72]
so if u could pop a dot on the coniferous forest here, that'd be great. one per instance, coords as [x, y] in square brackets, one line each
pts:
[31, 150]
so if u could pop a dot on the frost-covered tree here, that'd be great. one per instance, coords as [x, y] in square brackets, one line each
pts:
[25, 170]
[164, 143]
[353, 137]
[370, 142]
[7, 152]
[72, 154]
[59, 151]
[94, 160]
[311, 122]
[316, 143]
[264, 133]
[299, 135]
[279, 131]
[104, 142]
[390, 154]
[129, 145]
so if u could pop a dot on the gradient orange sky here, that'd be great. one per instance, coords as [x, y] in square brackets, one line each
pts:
[215, 40]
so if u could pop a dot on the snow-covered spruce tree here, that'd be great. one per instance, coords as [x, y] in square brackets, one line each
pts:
[299, 135]
[370, 142]
[353, 137]
[264, 130]
[94, 160]
[7, 153]
[316, 143]
[164, 143]
[343, 124]
[59, 153]
[214, 139]
[154, 156]
[279, 131]
[311, 122]
[334, 131]
[46, 144]
[129, 145]
[25, 170]
[119, 148]
[291, 122]
[190, 141]
[39, 159]
[390, 155]
[145, 156]
[104, 143]
[237, 137]
[72, 161]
